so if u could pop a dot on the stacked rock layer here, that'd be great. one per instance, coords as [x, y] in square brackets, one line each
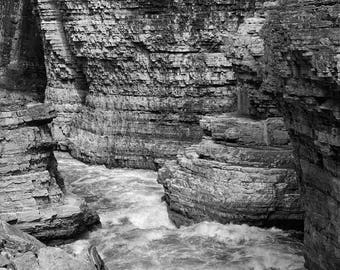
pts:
[143, 73]
[242, 172]
[303, 53]
[31, 191]
[132, 79]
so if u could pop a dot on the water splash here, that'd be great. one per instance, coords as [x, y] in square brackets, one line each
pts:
[136, 232]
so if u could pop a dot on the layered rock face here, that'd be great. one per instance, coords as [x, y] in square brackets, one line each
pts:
[31, 191]
[303, 46]
[243, 173]
[142, 73]
[243, 169]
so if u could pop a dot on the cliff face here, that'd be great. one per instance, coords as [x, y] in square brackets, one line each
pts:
[132, 79]
[243, 169]
[130, 82]
[303, 45]
[144, 72]
[31, 194]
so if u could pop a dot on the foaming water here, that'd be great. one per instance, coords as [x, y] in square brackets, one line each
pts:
[136, 232]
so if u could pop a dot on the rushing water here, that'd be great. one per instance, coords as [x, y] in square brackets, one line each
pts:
[136, 232]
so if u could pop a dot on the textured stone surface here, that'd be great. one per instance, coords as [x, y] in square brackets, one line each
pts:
[21, 251]
[235, 175]
[21, 55]
[131, 80]
[31, 191]
[302, 48]
[142, 73]
[243, 170]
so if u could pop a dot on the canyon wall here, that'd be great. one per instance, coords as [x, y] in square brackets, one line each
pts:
[143, 73]
[31, 191]
[243, 170]
[131, 81]
[303, 74]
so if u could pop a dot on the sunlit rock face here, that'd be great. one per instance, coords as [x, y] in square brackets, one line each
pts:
[31, 191]
[131, 79]
[303, 45]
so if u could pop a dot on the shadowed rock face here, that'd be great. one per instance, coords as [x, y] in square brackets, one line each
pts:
[302, 48]
[31, 191]
[22, 66]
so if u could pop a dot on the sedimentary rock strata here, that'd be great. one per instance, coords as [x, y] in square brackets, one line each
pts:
[146, 71]
[302, 48]
[242, 172]
[129, 82]
[32, 194]
[243, 169]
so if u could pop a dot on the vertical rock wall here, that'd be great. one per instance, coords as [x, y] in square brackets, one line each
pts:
[31, 191]
[152, 70]
[22, 58]
[243, 170]
[131, 81]
[303, 54]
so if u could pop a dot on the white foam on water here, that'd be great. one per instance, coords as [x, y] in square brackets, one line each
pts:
[136, 232]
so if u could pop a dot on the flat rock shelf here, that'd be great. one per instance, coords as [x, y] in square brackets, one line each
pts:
[136, 232]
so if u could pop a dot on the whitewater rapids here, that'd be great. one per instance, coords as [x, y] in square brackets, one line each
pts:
[137, 234]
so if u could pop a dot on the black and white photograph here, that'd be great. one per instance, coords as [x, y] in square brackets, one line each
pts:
[169, 134]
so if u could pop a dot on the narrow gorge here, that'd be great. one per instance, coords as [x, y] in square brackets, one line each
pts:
[233, 107]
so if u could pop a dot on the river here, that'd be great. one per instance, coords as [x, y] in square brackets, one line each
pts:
[136, 232]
